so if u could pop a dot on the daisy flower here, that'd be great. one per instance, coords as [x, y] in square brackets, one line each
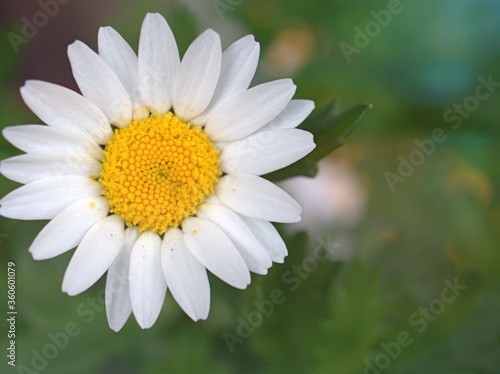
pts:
[153, 172]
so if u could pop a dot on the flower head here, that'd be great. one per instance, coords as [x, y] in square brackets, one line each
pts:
[153, 173]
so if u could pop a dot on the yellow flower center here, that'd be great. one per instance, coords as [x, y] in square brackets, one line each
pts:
[157, 171]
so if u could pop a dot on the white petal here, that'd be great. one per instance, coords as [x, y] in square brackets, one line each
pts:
[256, 197]
[249, 111]
[269, 237]
[266, 151]
[147, 283]
[38, 138]
[60, 107]
[186, 277]
[293, 115]
[209, 245]
[158, 62]
[45, 198]
[239, 62]
[68, 228]
[195, 81]
[31, 167]
[121, 58]
[99, 84]
[242, 237]
[118, 306]
[94, 255]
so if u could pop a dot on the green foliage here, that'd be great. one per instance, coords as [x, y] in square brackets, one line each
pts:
[330, 130]
[330, 319]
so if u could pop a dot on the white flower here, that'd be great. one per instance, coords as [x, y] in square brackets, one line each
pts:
[334, 199]
[153, 174]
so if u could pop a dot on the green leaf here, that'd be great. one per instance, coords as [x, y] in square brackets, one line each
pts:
[356, 311]
[331, 130]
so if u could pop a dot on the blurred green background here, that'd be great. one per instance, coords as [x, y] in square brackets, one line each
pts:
[419, 65]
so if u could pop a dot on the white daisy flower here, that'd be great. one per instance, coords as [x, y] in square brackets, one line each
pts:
[153, 172]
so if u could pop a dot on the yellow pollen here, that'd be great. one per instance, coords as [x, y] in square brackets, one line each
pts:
[156, 172]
